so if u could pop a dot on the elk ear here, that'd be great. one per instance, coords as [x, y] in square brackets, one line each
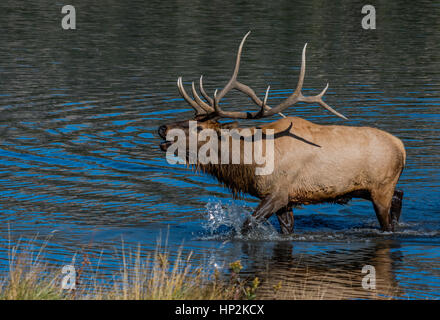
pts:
[229, 125]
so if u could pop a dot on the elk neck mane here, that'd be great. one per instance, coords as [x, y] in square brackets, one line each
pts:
[238, 178]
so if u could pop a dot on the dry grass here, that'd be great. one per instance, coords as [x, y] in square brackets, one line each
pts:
[157, 277]
[152, 278]
[28, 278]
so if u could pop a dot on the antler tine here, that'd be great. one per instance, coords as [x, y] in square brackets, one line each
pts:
[266, 95]
[204, 94]
[207, 108]
[202, 107]
[199, 110]
[318, 99]
[297, 95]
[294, 97]
[302, 72]
[230, 85]
[251, 93]
[234, 84]
[264, 102]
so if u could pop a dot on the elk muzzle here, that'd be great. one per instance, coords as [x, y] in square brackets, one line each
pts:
[164, 145]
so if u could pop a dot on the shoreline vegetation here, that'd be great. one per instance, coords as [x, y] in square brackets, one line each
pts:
[154, 277]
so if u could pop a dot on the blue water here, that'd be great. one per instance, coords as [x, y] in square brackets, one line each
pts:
[80, 166]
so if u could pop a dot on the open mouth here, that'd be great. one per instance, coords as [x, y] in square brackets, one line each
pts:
[165, 145]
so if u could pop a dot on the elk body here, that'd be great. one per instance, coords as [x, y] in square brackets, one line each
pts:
[312, 163]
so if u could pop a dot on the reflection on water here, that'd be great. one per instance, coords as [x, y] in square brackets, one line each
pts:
[335, 274]
[79, 161]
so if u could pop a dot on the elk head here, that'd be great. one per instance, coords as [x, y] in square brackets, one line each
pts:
[208, 111]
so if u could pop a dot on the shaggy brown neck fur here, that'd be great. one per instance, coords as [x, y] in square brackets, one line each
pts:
[238, 178]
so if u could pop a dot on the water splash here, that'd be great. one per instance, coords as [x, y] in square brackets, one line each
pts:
[224, 222]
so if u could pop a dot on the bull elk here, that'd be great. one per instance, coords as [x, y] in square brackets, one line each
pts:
[313, 163]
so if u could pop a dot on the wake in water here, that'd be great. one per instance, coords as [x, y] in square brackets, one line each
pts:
[224, 222]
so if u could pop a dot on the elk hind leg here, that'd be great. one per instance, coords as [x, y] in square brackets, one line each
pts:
[382, 204]
[396, 206]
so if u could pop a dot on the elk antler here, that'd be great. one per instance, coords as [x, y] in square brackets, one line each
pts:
[214, 108]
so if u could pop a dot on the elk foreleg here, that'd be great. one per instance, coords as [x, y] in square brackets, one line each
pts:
[268, 206]
[285, 218]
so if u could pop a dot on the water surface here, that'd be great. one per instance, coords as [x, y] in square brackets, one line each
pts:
[79, 159]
